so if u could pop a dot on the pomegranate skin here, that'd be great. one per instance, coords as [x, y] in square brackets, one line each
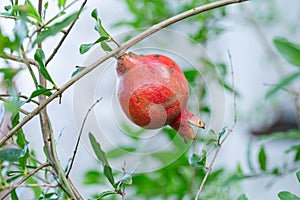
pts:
[153, 92]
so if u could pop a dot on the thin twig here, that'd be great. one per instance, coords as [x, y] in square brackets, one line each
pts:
[31, 173]
[79, 136]
[65, 35]
[19, 59]
[124, 173]
[48, 136]
[229, 131]
[21, 96]
[8, 17]
[29, 67]
[32, 185]
[114, 41]
[120, 49]
[208, 172]
[25, 112]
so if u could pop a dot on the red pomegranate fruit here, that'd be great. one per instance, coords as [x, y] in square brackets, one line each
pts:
[153, 92]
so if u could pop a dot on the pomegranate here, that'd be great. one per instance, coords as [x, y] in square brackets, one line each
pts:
[153, 92]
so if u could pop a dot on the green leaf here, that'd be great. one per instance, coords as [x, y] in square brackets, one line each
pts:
[105, 47]
[221, 133]
[285, 195]
[13, 178]
[297, 156]
[21, 140]
[24, 157]
[298, 175]
[198, 161]
[92, 177]
[262, 158]
[275, 171]
[14, 195]
[14, 172]
[102, 157]
[98, 27]
[104, 194]
[32, 12]
[291, 134]
[61, 3]
[109, 175]
[38, 92]
[12, 106]
[55, 28]
[119, 152]
[11, 155]
[290, 51]
[191, 75]
[77, 71]
[94, 14]
[293, 148]
[242, 197]
[102, 30]
[9, 73]
[283, 83]
[98, 150]
[85, 47]
[39, 56]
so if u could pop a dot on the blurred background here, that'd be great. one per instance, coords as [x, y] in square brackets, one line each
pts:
[257, 159]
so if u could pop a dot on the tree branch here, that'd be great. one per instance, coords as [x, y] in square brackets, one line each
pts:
[65, 35]
[21, 96]
[79, 136]
[116, 51]
[26, 61]
[25, 112]
[18, 59]
[48, 136]
[229, 131]
[25, 178]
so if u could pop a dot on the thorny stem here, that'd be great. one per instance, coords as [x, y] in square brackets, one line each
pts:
[119, 50]
[229, 131]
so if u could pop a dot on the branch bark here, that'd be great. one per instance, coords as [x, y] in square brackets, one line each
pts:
[25, 178]
[65, 35]
[229, 131]
[119, 51]
[19, 59]
[48, 133]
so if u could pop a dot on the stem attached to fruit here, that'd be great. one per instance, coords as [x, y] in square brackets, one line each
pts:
[118, 51]
[196, 122]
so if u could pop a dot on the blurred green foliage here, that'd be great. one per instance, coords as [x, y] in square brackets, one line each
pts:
[179, 180]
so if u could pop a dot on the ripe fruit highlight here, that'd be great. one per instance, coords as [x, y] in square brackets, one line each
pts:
[153, 92]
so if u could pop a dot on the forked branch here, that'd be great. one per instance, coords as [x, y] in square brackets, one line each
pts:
[118, 51]
[229, 131]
